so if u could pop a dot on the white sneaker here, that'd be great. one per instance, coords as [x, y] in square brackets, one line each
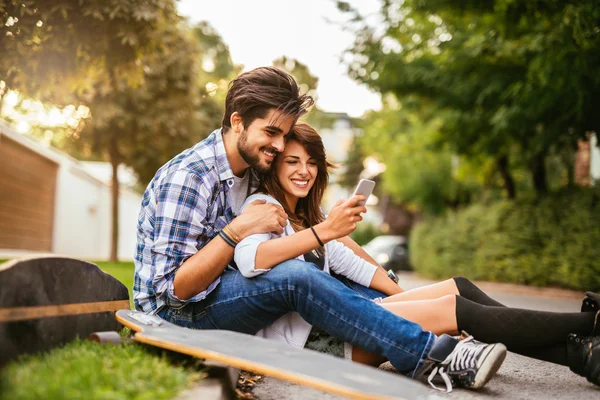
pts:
[471, 364]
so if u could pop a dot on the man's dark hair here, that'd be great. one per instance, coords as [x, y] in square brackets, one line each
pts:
[253, 93]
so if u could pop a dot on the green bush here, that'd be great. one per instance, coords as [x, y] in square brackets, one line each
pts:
[554, 241]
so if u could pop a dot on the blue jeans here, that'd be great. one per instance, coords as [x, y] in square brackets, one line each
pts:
[249, 305]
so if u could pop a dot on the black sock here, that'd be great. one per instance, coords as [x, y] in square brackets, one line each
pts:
[556, 354]
[517, 328]
[468, 290]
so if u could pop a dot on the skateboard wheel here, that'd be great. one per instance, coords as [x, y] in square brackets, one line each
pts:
[109, 337]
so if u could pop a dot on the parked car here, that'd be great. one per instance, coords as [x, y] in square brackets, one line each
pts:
[390, 251]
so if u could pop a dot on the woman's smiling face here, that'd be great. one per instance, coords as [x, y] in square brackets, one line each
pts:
[296, 171]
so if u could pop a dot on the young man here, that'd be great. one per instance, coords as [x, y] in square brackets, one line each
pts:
[188, 227]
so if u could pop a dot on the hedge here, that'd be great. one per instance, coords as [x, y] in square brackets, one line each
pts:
[554, 241]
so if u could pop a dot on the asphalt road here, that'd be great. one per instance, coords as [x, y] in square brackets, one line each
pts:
[518, 378]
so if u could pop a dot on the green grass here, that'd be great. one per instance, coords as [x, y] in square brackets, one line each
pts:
[123, 271]
[86, 370]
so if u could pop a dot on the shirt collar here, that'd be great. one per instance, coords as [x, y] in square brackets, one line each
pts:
[225, 172]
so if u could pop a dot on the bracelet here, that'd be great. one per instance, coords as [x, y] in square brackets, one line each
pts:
[227, 239]
[232, 234]
[317, 236]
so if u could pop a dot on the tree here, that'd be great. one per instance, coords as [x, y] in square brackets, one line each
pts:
[216, 70]
[135, 65]
[420, 172]
[504, 75]
[171, 110]
[51, 50]
[80, 50]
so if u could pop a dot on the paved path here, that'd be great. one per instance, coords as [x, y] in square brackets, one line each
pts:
[519, 378]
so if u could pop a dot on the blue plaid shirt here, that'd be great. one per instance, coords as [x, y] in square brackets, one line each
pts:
[185, 205]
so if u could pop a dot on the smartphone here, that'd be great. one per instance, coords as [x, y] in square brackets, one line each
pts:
[364, 187]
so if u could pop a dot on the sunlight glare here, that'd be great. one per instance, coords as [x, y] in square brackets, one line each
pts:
[23, 127]
[12, 98]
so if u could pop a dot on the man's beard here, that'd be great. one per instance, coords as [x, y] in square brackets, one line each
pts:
[252, 158]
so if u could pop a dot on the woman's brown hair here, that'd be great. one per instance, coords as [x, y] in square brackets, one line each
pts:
[308, 210]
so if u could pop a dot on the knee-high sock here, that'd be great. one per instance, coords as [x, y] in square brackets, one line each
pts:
[518, 328]
[468, 290]
[556, 354]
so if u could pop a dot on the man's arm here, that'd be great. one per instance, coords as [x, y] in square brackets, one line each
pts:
[204, 267]
[201, 269]
[380, 280]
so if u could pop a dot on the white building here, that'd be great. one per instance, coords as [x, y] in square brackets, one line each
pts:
[50, 203]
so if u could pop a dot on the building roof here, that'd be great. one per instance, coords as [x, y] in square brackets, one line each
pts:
[51, 153]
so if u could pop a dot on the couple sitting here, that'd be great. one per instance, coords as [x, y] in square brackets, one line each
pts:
[231, 236]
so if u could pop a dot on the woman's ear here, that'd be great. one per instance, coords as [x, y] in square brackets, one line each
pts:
[237, 123]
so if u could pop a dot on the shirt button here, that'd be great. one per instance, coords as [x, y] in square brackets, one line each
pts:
[230, 182]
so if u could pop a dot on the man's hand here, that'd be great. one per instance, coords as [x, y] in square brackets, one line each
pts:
[260, 217]
[343, 217]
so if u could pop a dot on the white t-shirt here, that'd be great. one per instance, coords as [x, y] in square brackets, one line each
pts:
[239, 191]
[291, 328]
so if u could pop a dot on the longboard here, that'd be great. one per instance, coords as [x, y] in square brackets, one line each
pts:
[48, 301]
[275, 359]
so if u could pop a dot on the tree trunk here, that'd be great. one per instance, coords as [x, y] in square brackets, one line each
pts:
[114, 162]
[509, 182]
[538, 173]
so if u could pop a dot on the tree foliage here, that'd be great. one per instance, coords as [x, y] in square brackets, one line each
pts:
[423, 173]
[51, 50]
[174, 107]
[150, 82]
[504, 76]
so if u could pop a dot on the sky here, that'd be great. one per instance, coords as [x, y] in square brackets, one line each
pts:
[259, 31]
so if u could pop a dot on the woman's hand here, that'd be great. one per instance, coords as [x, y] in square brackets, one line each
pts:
[342, 219]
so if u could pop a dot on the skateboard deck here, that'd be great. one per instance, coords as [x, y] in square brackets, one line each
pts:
[48, 301]
[275, 359]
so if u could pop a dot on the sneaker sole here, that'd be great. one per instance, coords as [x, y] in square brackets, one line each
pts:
[490, 366]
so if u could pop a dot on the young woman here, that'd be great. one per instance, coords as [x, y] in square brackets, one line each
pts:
[298, 182]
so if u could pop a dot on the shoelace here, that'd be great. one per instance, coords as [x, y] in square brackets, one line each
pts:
[463, 356]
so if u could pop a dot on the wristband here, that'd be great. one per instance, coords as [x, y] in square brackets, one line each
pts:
[317, 236]
[227, 239]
